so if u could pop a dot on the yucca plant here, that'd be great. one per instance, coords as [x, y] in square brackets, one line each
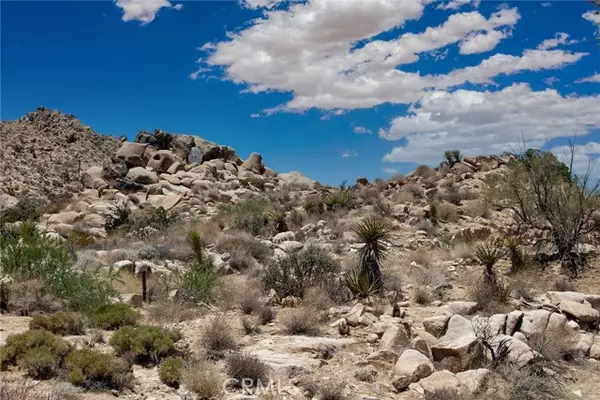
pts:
[277, 217]
[338, 200]
[358, 285]
[194, 239]
[488, 254]
[453, 157]
[517, 256]
[432, 215]
[373, 232]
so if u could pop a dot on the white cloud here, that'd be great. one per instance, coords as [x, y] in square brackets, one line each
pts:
[585, 157]
[456, 4]
[254, 115]
[592, 16]
[361, 130]
[310, 50]
[591, 79]
[546, 4]
[256, 4]
[178, 6]
[561, 38]
[349, 154]
[488, 122]
[143, 10]
[550, 81]
[390, 171]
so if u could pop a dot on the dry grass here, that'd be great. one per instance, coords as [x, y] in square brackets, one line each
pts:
[247, 370]
[421, 257]
[172, 312]
[217, 337]
[422, 295]
[414, 189]
[553, 345]
[463, 250]
[301, 321]
[563, 285]
[29, 390]
[28, 297]
[242, 244]
[491, 299]
[424, 171]
[403, 196]
[448, 212]
[238, 292]
[203, 378]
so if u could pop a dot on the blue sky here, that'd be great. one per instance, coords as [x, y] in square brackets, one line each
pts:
[333, 89]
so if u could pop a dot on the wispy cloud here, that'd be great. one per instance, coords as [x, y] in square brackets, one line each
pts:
[349, 154]
[590, 79]
[144, 11]
[361, 130]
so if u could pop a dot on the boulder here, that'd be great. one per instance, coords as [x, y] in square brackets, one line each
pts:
[412, 366]
[284, 237]
[66, 217]
[170, 201]
[142, 176]
[595, 348]
[513, 321]
[254, 163]
[581, 311]
[421, 345]
[474, 380]
[291, 246]
[161, 161]
[181, 146]
[535, 322]
[7, 203]
[395, 339]
[459, 307]
[114, 169]
[296, 179]
[436, 325]
[459, 341]
[132, 153]
[519, 353]
[353, 316]
[195, 156]
[92, 177]
[440, 385]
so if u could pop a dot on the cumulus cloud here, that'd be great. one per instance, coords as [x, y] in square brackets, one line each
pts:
[585, 157]
[561, 38]
[256, 4]
[143, 10]
[591, 79]
[361, 130]
[349, 154]
[488, 122]
[592, 16]
[546, 4]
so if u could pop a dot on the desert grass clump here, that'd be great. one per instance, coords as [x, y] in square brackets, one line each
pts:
[447, 212]
[169, 371]
[39, 352]
[563, 285]
[293, 274]
[217, 338]
[60, 323]
[247, 215]
[250, 325]
[145, 343]
[247, 370]
[300, 321]
[95, 370]
[241, 244]
[113, 316]
[424, 171]
[490, 298]
[203, 379]
[422, 295]
[265, 314]
[373, 232]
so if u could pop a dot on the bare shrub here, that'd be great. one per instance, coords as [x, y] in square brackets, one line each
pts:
[530, 382]
[29, 390]
[563, 285]
[422, 295]
[240, 244]
[300, 321]
[553, 345]
[28, 297]
[403, 196]
[490, 298]
[203, 378]
[368, 194]
[448, 212]
[250, 326]
[414, 189]
[427, 226]
[217, 338]
[246, 369]
[265, 314]
[424, 171]
[167, 312]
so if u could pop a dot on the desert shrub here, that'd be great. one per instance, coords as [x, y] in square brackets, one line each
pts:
[415, 190]
[249, 300]
[113, 316]
[553, 345]
[39, 352]
[488, 254]
[452, 195]
[359, 285]
[79, 239]
[519, 260]
[28, 296]
[30, 390]
[155, 218]
[427, 226]
[27, 209]
[317, 299]
[338, 200]
[563, 285]
[490, 298]
[203, 379]
[242, 244]
[453, 157]
[169, 371]
[60, 323]
[96, 370]
[544, 193]
[421, 257]
[300, 321]
[250, 326]
[217, 338]
[173, 311]
[118, 217]
[246, 369]
[382, 207]
[145, 342]
[28, 254]
[447, 212]
[293, 274]
[265, 314]
[476, 208]
[424, 171]
[276, 217]
[422, 295]
[296, 219]
[247, 215]
[530, 382]
[240, 262]
[314, 204]
[373, 233]
[198, 281]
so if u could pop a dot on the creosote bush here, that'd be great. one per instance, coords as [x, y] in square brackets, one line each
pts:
[113, 316]
[60, 323]
[246, 369]
[95, 370]
[39, 352]
[144, 342]
[247, 215]
[293, 274]
[203, 379]
[301, 321]
[217, 338]
[169, 371]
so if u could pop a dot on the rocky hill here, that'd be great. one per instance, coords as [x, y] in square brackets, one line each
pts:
[261, 274]
[43, 153]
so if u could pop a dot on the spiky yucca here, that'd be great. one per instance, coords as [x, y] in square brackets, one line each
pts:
[358, 285]
[194, 239]
[517, 256]
[277, 217]
[373, 232]
[488, 254]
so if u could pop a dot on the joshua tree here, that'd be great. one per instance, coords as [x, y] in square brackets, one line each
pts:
[373, 232]
[453, 157]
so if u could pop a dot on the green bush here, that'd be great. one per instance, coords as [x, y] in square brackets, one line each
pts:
[113, 316]
[453, 157]
[338, 200]
[146, 343]
[96, 370]
[247, 215]
[169, 371]
[296, 272]
[27, 209]
[37, 351]
[26, 253]
[60, 323]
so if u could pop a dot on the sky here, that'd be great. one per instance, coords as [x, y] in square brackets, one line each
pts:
[335, 89]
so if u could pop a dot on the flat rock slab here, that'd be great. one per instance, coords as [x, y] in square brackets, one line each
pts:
[281, 352]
